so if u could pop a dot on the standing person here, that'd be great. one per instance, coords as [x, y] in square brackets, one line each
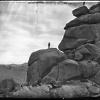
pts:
[83, 3]
[48, 45]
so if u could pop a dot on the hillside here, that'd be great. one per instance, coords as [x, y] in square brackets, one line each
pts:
[15, 71]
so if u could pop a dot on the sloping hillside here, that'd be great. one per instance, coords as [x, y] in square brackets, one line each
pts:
[15, 71]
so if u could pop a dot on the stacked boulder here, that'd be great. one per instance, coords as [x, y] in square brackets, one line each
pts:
[80, 54]
[81, 41]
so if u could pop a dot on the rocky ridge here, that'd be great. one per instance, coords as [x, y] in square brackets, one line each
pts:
[79, 59]
[80, 54]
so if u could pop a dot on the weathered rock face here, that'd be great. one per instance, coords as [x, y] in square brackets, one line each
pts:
[79, 35]
[80, 11]
[89, 68]
[65, 70]
[90, 18]
[94, 50]
[82, 53]
[95, 8]
[82, 31]
[85, 19]
[88, 51]
[81, 57]
[42, 62]
[96, 78]
[81, 41]
[72, 70]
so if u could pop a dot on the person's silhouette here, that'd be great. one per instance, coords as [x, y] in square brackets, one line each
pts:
[83, 3]
[48, 45]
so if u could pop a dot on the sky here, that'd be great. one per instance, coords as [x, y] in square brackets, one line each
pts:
[27, 27]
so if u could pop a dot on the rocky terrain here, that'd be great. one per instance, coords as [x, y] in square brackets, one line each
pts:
[73, 71]
[16, 71]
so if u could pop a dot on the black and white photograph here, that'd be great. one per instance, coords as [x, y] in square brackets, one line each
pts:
[49, 49]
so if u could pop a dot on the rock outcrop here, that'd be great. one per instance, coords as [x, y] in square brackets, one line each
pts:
[63, 71]
[84, 19]
[7, 85]
[80, 45]
[95, 8]
[71, 70]
[80, 11]
[81, 41]
[83, 31]
[79, 60]
[41, 62]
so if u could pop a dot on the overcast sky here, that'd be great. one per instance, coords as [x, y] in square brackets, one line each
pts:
[25, 28]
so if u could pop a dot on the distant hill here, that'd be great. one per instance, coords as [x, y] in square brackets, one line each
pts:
[15, 66]
[16, 71]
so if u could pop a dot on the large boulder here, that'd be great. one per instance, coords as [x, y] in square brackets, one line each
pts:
[83, 31]
[95, 8]
[62, 72]
[45, 60]
[71, 70]
[73, 23]
[86, 19]
[90, 18]
[7, 85]
[69, 44]
[80, 11]
[76, 36]
[36, 55]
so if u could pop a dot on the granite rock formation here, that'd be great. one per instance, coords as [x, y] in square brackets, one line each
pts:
[41, 62]
[80, 44]
[79, 60]
[80, 11]
[82, 39]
